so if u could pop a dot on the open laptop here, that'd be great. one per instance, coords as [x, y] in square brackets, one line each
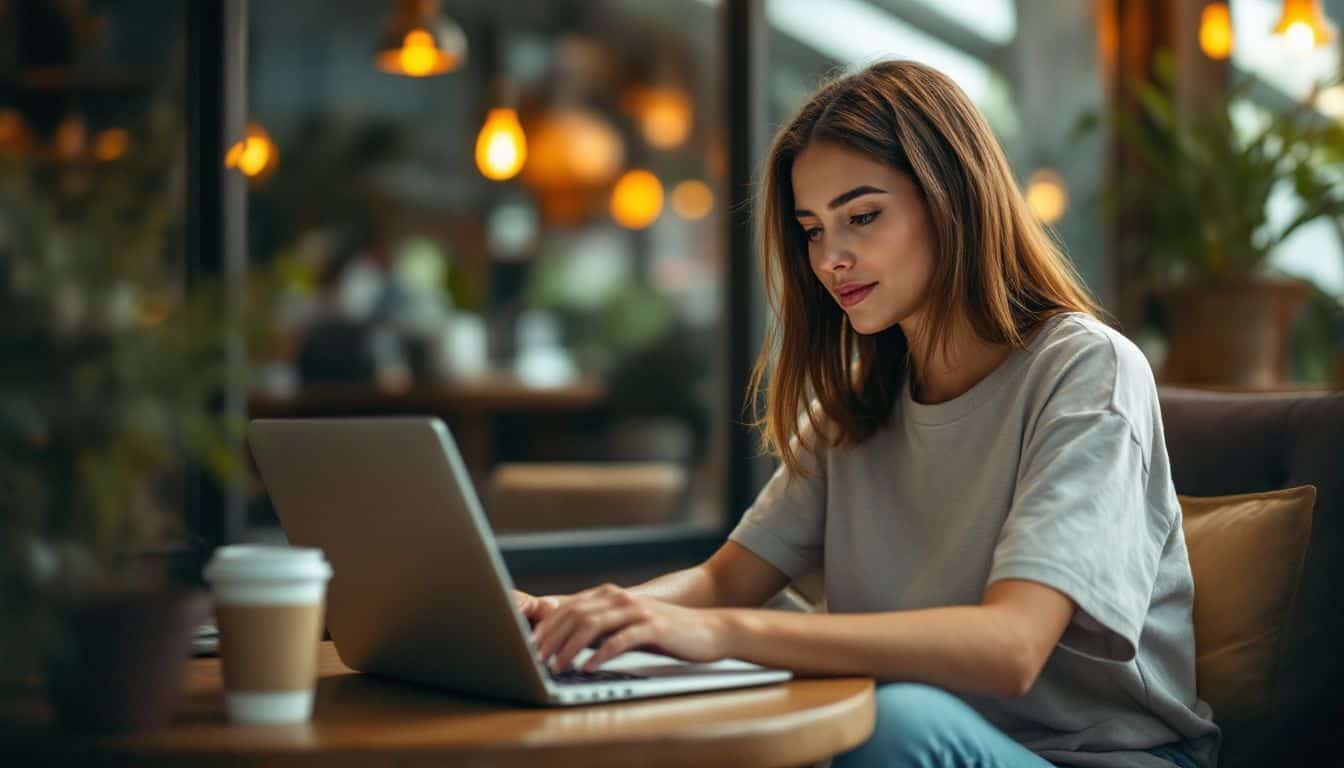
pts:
[420, 592]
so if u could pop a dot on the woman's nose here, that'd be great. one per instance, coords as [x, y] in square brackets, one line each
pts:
[837, 258]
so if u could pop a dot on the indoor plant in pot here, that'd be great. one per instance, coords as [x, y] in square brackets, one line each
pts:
[109, 370]
[1200, 192]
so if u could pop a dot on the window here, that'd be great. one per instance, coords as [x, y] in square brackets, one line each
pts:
[568, 322]
[1314, 251]
[1030, 69]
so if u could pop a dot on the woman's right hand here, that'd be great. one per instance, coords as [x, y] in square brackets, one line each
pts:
[534, 608]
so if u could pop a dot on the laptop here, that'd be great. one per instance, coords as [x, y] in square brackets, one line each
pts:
[420, 592]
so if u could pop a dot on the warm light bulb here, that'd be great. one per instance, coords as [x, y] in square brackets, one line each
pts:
[1300, 38]
[665, 114]
[666, 118]
[1303, 26]
[1047, 195]
[501, 147]
[637, 199]
[1215, 31]
[418, 55]
[253, 155]
[692, 199]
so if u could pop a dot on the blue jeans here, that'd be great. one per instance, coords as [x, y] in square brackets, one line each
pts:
[926, 727]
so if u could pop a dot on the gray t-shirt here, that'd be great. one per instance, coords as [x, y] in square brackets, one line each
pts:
[1052, 468]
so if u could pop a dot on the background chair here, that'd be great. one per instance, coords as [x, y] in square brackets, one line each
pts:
[564, 496]
[1225, 443]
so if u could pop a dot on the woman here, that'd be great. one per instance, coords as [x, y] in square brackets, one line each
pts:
[976, 459]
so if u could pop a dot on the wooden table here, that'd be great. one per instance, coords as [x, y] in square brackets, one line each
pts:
[361, 720]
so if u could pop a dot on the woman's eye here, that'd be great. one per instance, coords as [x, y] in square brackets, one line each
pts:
[863, 218]
[812, 234]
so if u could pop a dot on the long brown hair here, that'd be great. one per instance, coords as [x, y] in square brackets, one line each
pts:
[995, 265]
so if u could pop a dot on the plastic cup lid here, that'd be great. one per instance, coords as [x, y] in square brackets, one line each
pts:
[260, 562]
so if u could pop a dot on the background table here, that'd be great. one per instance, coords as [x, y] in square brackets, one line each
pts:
[470, 406]
[361, 720]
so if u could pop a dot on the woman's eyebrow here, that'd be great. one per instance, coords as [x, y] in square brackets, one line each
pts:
[840, 200]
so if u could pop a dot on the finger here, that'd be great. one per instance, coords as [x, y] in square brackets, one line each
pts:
[627, 639]
[526, 603]
[546, 606]
[568, 621]
[539, 608]
[586, 630]
[547, 621]
[557, 618]
[558, 626]
[550, 626]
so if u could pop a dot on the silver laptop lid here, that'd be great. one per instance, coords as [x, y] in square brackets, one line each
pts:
[371, 493]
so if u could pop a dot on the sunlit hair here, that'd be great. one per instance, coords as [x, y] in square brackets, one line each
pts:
[995, 266]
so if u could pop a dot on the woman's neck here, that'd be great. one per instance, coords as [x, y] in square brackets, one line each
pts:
[952, 370]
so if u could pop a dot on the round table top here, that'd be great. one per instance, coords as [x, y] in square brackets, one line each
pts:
[358, 718]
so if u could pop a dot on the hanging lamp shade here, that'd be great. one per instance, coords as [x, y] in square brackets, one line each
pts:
[1303, 24]
[419, 42]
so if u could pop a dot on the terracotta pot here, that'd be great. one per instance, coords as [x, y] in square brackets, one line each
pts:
[124, 661]
[1231, 334]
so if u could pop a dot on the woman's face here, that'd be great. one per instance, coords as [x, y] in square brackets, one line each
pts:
[869, 241]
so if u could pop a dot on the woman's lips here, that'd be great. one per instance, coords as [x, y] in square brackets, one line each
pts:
[851, 296]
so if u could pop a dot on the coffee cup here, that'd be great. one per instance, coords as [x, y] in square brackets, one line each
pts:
[269, 605]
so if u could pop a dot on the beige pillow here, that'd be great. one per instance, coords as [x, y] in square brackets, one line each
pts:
[1246, 555]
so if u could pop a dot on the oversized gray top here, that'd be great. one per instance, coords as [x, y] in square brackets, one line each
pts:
[1052, 468]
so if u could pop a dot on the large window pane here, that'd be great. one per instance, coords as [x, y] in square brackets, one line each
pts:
[566, 322]
[1314, 252]
[1031, 69]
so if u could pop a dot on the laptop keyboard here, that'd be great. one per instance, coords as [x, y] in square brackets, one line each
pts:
[573, 676]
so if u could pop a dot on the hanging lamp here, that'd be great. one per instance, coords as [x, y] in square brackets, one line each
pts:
[419, 41]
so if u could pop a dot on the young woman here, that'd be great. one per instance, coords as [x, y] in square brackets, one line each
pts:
[977, 461]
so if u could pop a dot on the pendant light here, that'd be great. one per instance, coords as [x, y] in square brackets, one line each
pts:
[255, 155]
[419, 42]
[1303, 26]
[1215, 31]
[501, 147]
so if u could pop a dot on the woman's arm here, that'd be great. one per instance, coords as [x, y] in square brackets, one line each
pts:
[997, 648]
[734, 576]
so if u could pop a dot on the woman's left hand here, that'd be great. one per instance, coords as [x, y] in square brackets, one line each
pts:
[628, 622]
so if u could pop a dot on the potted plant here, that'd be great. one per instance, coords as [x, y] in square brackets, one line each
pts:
[1200, 192]
[110, 367]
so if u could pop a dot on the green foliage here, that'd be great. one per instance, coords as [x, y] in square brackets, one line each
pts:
[1201, 191]
[108, 368]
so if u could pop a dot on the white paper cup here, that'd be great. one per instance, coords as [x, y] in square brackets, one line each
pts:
[269, 604]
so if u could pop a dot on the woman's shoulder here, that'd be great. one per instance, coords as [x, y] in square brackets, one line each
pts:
[1080, 356]
[1091, 342]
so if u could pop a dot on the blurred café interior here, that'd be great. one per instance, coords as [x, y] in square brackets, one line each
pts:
[533, 218]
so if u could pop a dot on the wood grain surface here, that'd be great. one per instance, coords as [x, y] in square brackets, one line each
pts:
[363, 720]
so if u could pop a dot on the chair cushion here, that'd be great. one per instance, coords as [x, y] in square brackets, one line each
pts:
[1246, 555]
[557, 496]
